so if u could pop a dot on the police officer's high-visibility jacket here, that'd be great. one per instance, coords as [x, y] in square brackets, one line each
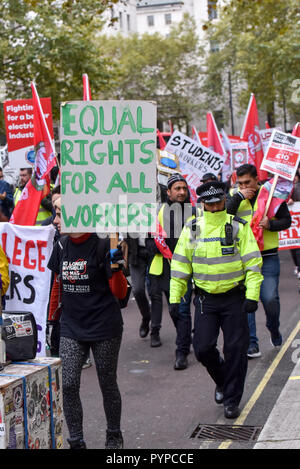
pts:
[246, 211]
[215, 266]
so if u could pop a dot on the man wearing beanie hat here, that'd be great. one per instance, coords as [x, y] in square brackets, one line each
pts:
[172, 216]
[221, 254]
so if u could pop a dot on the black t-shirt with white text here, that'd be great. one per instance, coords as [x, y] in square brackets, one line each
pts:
[90, 312]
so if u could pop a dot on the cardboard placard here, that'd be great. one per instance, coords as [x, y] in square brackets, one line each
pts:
[108, 166]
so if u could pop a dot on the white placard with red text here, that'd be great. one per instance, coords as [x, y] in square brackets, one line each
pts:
[19, 130]
[290, 238]
[282, 155]
[28, 249]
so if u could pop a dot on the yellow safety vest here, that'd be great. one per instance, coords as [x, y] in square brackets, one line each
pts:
[157, 263]
[215, 267]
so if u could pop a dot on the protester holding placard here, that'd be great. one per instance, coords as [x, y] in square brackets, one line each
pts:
[90, 319]
[244, 203]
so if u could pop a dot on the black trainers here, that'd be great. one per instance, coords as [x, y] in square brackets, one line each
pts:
[181, 362]
[219, 395]
[144, 328]
[114, 440]
[231, 411]
[253, 351]
[77, 444]
[276, 339]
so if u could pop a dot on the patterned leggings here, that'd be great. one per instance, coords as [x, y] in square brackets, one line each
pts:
[73, 355]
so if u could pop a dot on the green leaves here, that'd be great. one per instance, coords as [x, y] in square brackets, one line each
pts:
[53, 43]
[153, 67]
[257, 43]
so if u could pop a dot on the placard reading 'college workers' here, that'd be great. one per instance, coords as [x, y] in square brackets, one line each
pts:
[282, 155]
[108, 166]
[28, 249]
[194, 159]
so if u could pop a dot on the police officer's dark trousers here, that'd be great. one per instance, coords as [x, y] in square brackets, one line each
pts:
[212, 313]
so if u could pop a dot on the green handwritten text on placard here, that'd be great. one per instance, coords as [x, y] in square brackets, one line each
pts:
[108, 151]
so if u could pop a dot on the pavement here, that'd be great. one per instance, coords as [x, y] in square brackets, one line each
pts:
[282, 428]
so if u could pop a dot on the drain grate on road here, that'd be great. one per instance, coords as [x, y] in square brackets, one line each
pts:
[226, 432]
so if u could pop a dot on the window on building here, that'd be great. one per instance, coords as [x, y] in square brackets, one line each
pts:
[168, 18]
[214, 46]
[212, 9]
[150, 20]
[121, 20]
[128, 22]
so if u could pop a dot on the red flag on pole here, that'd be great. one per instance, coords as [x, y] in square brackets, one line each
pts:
[214, 141]
[161, 140]
[281, 194]
[26, 210]
[86, 88]
[250, 133]
[159, 238]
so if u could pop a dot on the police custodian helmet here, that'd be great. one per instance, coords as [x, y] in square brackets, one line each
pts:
[210, 192]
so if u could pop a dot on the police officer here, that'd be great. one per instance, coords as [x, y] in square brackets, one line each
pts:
[221, 254]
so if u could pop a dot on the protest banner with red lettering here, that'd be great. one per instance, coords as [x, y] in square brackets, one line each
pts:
[282, 155]
[38, 187]
[28, 250]
[20, 130]
[265, 135]
[290, 238]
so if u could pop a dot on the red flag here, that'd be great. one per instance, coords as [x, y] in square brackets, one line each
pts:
[281, 194]
[214, 141]
[159, 239]
[251, 134]
[26, 210]
[86, 88]
[161, 140]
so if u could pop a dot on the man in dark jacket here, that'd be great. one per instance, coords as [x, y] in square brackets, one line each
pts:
[172, 216]
[243, 203]
[138, 260]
